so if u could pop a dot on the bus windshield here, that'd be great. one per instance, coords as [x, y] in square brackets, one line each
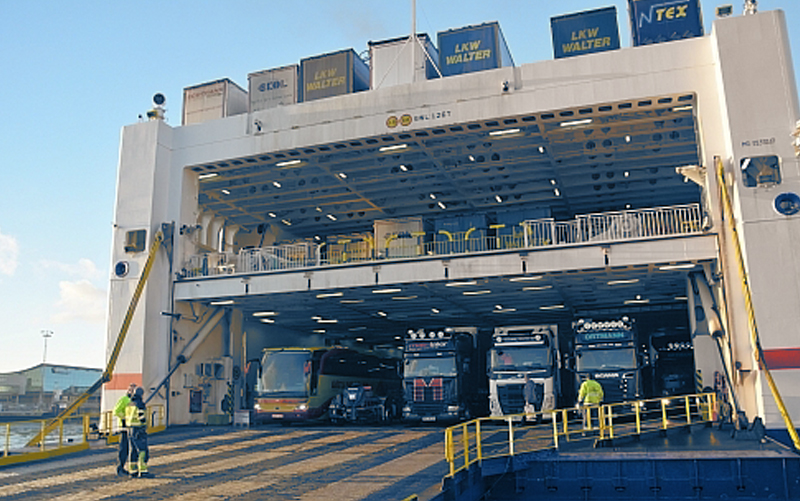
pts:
[606, 359]
[285, 374]
[520, 358]
[425, 367]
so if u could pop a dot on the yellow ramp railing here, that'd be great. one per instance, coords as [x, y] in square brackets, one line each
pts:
[483, 438]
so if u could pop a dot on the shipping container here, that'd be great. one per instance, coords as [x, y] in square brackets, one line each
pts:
[585, 32]
[390, 61]
[212, 100]
[473, 48]
[401, 237]
[656, 21]
[272, 88]
[333, 74]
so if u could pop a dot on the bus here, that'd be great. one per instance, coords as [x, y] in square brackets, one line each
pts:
[298, 384]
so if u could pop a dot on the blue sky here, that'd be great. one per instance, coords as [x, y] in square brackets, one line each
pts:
[74, 73]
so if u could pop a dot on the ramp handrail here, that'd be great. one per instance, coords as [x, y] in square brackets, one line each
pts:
[487, 437]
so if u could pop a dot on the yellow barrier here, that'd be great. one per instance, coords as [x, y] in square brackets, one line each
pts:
[68, 435]
[483, 438]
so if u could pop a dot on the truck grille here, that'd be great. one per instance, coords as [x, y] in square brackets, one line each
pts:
[512, 399]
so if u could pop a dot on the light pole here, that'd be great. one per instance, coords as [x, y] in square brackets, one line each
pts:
[46, 335]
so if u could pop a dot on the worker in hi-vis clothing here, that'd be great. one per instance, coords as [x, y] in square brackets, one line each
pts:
[124, 443]
[590, 394]
[136, 416]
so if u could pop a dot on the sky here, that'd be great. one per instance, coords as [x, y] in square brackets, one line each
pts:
[74, 73]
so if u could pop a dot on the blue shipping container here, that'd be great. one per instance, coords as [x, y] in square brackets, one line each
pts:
[656, 21]
[473, 48]
[332, 74]
[585, 32]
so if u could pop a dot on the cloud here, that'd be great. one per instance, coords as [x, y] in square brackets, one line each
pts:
[9, 252]
[80, 301]
[84, 268]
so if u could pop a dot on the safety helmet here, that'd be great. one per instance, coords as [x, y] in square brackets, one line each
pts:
[139, 392]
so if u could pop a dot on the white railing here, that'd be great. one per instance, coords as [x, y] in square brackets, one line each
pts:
[658, 222]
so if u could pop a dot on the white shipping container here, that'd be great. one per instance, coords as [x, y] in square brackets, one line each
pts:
[213, 100]
[272, 88]
[390, 61]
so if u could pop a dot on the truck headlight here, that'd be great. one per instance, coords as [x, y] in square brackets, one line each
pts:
[453, 408]
[257, 407]
[302, 407]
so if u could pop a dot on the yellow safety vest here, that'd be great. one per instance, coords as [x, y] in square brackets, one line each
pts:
[591, 392]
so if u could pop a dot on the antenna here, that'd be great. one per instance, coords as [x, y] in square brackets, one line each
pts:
[413, 40]
[46, 335]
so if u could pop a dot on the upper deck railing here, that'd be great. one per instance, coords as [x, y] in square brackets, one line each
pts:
[599, 228]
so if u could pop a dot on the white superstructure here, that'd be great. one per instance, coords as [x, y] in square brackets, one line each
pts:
[558, 182]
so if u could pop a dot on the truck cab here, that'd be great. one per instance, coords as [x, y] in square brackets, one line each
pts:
[518, 352]
[441, 381]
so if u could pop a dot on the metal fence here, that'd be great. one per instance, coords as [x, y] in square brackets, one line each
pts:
[489, 437]
[657, 222]
[71, 434]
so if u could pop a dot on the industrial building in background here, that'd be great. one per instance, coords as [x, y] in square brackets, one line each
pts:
[445, 186]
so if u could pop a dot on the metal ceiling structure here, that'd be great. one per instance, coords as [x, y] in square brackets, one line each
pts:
[578, 161]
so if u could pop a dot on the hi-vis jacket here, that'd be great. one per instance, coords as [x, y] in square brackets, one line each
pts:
[136, 414]
[590, 392]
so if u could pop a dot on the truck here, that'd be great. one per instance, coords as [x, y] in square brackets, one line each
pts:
[517, 352]
[672, 363]
[610, 351]
[442, 380]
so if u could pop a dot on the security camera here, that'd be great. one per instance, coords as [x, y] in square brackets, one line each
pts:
[505, 86]
[159, 99]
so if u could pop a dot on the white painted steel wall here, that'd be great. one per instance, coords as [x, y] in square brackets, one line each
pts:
[741, 74]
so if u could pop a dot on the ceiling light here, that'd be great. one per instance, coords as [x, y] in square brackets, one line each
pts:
[442, 205]
[288, 163]
[276, 184]
[541, 149]
[622, 282]
[553, 307]
[386, 291]
[225, 192]
[626, 174]
[317, 238]
[636, 301]
[265, 313]
[476, 293]
[433, 196]
[343, 175]
[330, 294]
[677, 267]
[498, 198]
[404, 168]
[471, 158]
[461, 284]
[318, 331]
[504, 310]
[286, 222]
[538, 288]
[398, 337]
[682, 108]
[222, 303]
[271, 214]
[681, 298]
[319, 209]
[572, 123]
[553, 182]
[209, 175]
[393, 148]
[327, 321]
[331, 217]
[381, 313]
[557, 192]
[435, 310]
[525, 279]
[503, 132]
[627, 139]
[268, 320]
[351, 301]
[403, 298]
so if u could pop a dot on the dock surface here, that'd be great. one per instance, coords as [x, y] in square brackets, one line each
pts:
[270, 462]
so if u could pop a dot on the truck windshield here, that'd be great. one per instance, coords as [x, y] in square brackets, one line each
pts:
[285, 374]
[520, 358]
[425, 367]
[606, 359]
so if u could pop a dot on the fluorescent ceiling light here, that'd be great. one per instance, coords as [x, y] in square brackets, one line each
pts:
[498, 198]
[318, 331]
[572, 123]
[222, 303]
[207, 176]
[276, 184]
[442, 205]
[331, 217]
[404, 168]
[272, 214]
[343, 175]
[541, 149]
[351, 301]
[393, 148]
[682, 108]
[557, 192]
[386, 291]
[265, 313]
[525, 279]
[636, 301]
[360, 339]
[476, 293]
[504, 310]
[288, 163]
[553, 307]
[286, 222]
[402, 298]
[503, 132]
[623, 282]
[330, 294]
[268, 320]
[538, 288]
[381, 313]
[327, 321]
[225, 192]
[681, 298]
[361, 328]
[435, 310]
[461, 284]
[677, 267]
